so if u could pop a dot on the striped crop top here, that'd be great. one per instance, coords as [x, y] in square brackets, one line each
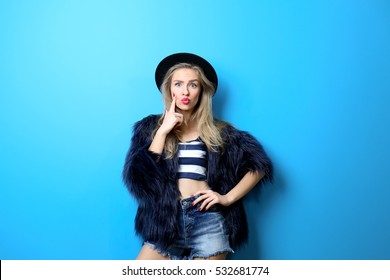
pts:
[192, 160]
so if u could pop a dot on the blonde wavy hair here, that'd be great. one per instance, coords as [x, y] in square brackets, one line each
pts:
[208, 129]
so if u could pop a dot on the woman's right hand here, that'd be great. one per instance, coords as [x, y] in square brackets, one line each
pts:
[171, 119]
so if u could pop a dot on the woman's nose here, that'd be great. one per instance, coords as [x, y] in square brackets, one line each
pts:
[185, 90]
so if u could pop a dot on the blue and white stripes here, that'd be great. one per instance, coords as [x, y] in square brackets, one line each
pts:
[192, 160]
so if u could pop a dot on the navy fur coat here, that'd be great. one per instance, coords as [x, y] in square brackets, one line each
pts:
[154, 185]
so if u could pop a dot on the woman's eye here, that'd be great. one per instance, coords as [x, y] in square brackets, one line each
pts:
[193, 85]
[177, 84]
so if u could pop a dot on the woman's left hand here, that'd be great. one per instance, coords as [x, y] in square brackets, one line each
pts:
[209, 199]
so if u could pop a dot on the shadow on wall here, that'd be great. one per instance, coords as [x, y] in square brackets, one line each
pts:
[257, 203]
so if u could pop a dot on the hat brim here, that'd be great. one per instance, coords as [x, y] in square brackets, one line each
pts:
[171, 60]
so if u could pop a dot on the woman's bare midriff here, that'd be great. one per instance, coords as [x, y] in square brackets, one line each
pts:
[189, 187]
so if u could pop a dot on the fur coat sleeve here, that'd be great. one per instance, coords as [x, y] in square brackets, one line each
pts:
[245, 154]
[140, 161]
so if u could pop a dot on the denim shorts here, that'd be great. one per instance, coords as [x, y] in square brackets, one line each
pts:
[201, 234]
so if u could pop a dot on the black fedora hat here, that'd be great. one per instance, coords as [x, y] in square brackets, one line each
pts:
[190, 58]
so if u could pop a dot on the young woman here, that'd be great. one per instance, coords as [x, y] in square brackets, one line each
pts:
[189, 171]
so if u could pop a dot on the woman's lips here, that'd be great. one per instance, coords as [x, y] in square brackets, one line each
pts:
[185, 101]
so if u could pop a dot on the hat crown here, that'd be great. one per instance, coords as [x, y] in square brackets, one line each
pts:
[173, 59]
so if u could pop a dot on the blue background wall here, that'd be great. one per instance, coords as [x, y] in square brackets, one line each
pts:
[310, 79]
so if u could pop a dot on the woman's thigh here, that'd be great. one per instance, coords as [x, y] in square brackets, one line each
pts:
[216, 257]
[147, 253]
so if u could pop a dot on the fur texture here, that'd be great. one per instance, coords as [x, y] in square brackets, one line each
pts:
[153, 182]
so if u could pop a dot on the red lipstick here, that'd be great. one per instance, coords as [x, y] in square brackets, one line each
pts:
[185, 101]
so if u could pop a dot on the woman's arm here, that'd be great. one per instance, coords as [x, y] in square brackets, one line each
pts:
[171, 119]
[211, 198]
[141, 172]
[244, 186]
